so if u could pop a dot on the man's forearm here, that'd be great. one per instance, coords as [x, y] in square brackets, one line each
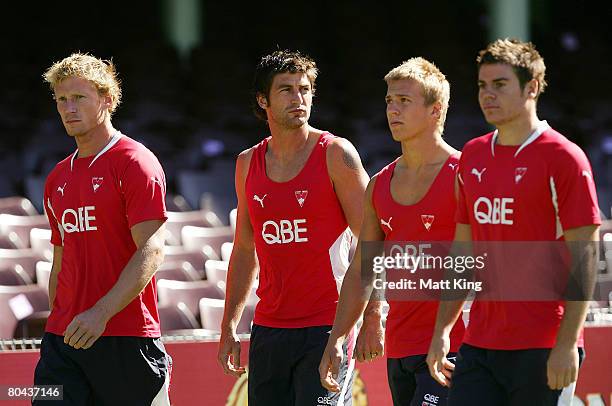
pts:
[351, 304]
[52, 286]
[133, 279]
[241, 274]
[448, 313]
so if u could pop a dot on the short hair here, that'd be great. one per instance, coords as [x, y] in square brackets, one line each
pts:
[523, 57]
[435, 86]
[280, 62]
[101, 73]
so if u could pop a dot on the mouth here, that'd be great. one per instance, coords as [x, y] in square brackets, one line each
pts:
[298, 111]
[72, 121]
[488, 108]
[395, 123]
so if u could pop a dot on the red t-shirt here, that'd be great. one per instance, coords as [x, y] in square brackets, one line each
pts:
[530, 192]
[410, 324]
[91, 204]
[302, 241]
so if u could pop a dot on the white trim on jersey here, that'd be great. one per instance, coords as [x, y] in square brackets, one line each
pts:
[61, 229]
[542, 126]
[115, 138]
[339, 256]
[553, 195]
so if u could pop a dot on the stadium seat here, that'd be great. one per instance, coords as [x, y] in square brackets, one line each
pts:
[176, 203]
[14, 276]
[40, 241]
[21, 226]
[190, 293]
[177, 271]
[19, 206]
[216, 271]
[177, 220]
[21, 303]
[43, 272]
[176, 317]
[196, 257]
[196, 187]
[232, 219]
[603, 290]
[196, 237]
[211, 314]
[27, 258]
[226, 250]
[10, 241]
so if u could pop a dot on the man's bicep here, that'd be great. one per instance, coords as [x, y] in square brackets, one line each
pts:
[463, 232]
[350, 180]
[58, 252]
[243, 237]
[585, 233]
[144, 231]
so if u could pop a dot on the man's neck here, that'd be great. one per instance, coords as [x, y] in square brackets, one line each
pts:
[518, 130]
[92, 142]
[425, 150]
[286, 143]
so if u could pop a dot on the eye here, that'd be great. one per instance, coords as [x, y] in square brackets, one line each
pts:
[405, 100]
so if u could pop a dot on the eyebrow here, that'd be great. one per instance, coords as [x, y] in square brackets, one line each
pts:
[496, 80]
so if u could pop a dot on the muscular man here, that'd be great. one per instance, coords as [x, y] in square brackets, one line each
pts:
[105, 203]
[298, 190]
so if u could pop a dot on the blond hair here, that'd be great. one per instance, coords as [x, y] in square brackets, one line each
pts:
[523, 57]
[101, 73]
[435, 86]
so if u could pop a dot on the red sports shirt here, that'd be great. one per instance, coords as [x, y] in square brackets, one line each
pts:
[530, 192]
[302, 241]
[92, 203]
[410, 324]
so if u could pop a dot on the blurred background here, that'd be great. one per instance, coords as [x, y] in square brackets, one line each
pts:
[187, 66]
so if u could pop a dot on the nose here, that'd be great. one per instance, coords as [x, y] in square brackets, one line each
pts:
[297, 97]
[486, 93]
[392, 109]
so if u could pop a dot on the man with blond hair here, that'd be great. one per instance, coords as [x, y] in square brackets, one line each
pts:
[106, 207]
[524, 182]
[411, 199]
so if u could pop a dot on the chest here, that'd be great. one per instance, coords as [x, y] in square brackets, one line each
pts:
[408, 187]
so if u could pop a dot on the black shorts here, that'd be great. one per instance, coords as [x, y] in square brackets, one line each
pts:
[114, 371]
[411, 383]
[502, 378]
[284, 368]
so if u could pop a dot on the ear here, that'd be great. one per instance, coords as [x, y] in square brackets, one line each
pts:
[532, 87]
[436, 110]
[107, 100]
[262, 101]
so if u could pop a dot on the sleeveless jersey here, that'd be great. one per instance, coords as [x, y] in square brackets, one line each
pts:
[302, 241]
[410, 324]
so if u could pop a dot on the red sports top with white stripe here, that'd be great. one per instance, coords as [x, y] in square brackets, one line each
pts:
[530, 192]
[410, 324]
[302, 241]
[91, 204]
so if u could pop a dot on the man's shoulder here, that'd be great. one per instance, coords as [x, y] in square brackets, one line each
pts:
[558, 148]
[478, 143]
[62, 166]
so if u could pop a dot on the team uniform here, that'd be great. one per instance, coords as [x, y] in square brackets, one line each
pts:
[302, 242]
[410, 324]
[92, 203]
[530, 192]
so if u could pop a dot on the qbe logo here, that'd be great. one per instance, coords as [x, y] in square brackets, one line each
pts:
[284, 232]
[324, 401]
[79, 220]
[498, 211]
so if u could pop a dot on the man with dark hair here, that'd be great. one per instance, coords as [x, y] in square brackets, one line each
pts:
[106, 207]
[522, 182]
[299, 191]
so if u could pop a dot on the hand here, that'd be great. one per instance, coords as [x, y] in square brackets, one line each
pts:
[330, 364]
[440, 367]
[85, 328]
[370, 342]
[229, 354]
[562, 367]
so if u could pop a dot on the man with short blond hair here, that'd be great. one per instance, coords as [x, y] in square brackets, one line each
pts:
[410, 200]
[106, 207]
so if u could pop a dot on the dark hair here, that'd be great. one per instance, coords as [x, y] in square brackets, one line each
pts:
[522, 56]
[275, 63]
